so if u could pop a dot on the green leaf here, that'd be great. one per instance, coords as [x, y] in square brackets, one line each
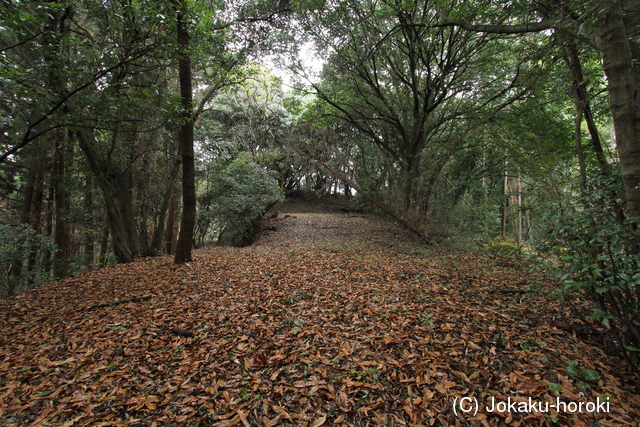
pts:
[589, 375]
[572, 369]
[555, 387]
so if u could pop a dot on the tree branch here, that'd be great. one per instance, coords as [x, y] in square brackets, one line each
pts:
[528, 27]
[28, 136]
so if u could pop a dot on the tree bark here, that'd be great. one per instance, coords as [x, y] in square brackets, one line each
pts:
[62, 228]
[185, 139]
[15, 270]
[104, 243]
[89, 246]
[170, 230]
[118, 196]
[159, 232]
[582, 165]
[618, 59]
[583, 105]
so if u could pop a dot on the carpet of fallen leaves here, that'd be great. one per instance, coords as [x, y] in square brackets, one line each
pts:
[330, 319]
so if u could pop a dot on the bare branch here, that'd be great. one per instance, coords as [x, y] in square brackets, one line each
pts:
[528, 27]
[561, 23]
[20, 43]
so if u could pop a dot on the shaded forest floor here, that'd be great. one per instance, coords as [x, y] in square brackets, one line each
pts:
[329, 319]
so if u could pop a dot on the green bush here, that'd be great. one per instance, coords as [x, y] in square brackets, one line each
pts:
[502, 247]
[238, 195]
[19, 246]
[593, 252]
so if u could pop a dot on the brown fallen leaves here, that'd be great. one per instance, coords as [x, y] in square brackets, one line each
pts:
[328, 320]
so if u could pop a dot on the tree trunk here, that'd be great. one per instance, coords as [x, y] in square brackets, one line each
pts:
[582, 103]
[505, 204]
[618, 59]
[515, 203]
[62, 229]
[170, 231]
[104, 243]
[89, 247]
[580, 152]
[185, 139]
[158, 234]
[118, 196]
[15, 270]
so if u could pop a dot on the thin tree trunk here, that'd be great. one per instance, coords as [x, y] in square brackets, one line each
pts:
[169, 235]
[580, 151]
[62, 229]
[505, 203]
[582, 100]
[37, 208]
[159, 232]
[46, 256]
[185, 139]
[89, 248]
[104, 243]
[515, 196]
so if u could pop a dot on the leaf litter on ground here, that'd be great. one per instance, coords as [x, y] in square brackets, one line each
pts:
[330, 319]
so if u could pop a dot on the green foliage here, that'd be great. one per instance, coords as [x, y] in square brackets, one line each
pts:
[17, 246]
[236, 199]
[502, 247]
[593, 252]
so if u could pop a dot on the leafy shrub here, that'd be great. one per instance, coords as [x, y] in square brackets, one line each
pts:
[238, 196]
[467, 225]
[503, 247]
[592, 251]
[18, 248]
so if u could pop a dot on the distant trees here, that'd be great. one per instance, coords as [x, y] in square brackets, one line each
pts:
[470, 107]
[105, 78]
[600, 240]
[419, 92]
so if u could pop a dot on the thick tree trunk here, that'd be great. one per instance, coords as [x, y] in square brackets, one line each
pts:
[618, 59]
[117, 189]
[185, 140]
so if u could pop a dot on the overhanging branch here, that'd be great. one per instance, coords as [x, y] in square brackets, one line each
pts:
[527, 27]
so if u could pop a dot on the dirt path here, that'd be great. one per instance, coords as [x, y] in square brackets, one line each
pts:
[317, 229]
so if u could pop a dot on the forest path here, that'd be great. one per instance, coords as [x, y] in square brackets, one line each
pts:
[329, 319]
[341, 229]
